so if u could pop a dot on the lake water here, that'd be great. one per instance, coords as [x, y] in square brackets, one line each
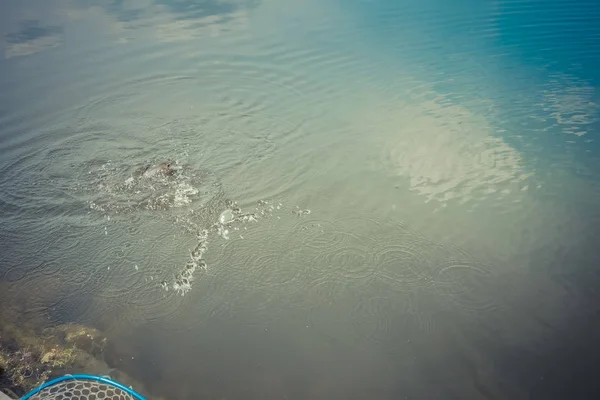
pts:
[415, 190]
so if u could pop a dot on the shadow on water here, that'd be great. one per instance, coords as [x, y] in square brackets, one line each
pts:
[540, 343]
[561, 362]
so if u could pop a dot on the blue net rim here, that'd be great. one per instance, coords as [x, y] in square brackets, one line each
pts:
[95, 378]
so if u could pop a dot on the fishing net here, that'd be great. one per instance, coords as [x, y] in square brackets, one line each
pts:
[83, 388]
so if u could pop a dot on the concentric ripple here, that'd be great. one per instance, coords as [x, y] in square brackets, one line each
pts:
[470, 285]
[402, 265]
[413, 275]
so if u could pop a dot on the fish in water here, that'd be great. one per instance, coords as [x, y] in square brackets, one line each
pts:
[162, 169]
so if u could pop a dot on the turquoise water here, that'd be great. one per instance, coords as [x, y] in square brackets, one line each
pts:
[417, 185]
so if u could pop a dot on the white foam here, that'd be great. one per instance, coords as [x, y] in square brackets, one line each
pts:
[184, 194]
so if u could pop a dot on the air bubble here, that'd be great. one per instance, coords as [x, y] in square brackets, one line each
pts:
[226, 217]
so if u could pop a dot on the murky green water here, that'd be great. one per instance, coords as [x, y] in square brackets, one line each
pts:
[414, 193]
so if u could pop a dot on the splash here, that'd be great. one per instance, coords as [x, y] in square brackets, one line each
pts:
[183, 280]
[119, 188]
[230, 219]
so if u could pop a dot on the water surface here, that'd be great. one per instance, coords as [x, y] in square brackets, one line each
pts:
[414, 186]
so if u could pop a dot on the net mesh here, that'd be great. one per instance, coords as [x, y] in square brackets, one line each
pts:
[82, 390]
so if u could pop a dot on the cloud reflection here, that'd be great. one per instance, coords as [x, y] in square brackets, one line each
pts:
[570, 103]
[447, 152]
[195, 9]
[32, 37]
[209, 26]
[29, 30]
[175, 20]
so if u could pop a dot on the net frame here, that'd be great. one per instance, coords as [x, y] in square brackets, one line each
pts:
[83, 387]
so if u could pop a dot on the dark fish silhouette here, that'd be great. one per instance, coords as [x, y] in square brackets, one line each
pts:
[165, 169]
